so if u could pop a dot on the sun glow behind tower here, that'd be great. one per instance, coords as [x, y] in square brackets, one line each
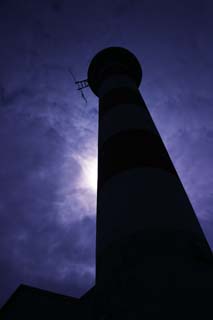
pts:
[89, 173]
[76, 198]
[88, 176]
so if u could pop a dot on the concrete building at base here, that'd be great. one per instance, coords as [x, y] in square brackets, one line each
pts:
[152, 258]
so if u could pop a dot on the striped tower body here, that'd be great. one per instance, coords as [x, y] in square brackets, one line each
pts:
[152, 258]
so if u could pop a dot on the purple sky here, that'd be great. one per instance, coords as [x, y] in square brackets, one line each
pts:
[48, 136]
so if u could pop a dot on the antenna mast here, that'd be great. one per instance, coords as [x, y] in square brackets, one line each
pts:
[82, 84]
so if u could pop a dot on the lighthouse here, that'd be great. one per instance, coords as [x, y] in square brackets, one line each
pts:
[152, 258]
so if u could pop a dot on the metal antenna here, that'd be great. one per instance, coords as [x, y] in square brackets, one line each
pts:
[82, 84]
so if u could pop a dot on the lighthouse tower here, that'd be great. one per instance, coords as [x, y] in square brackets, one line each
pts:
[152, 258]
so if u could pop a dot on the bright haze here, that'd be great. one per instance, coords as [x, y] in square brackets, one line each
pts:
[48, 134]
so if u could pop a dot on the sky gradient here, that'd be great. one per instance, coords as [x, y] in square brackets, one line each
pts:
[48, 136]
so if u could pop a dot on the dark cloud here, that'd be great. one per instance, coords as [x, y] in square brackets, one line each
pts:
[44, 255]
[57, 6]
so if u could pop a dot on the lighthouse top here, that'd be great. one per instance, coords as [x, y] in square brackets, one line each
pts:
[111, 61]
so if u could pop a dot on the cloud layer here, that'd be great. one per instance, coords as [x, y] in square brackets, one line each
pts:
[48, 234]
